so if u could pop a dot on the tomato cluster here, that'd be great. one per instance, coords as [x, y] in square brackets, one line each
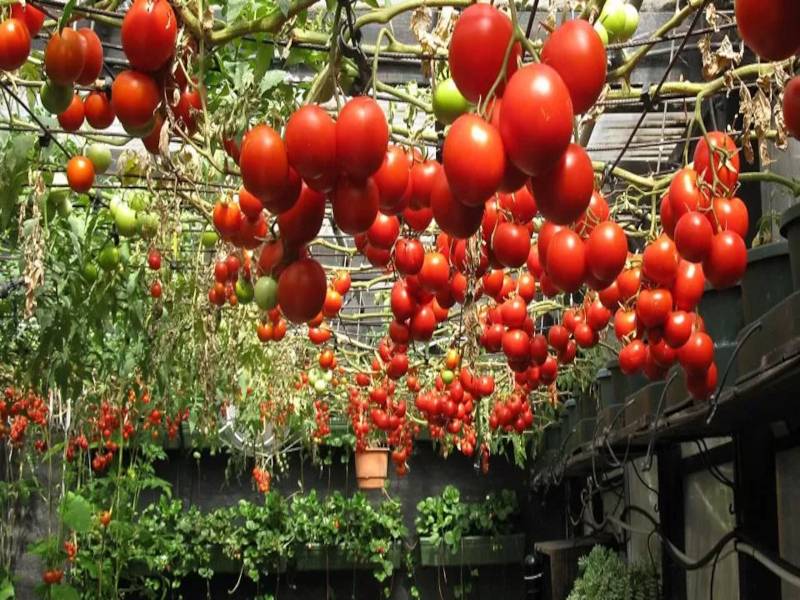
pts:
[23, 415]
[512, 414]
[262, 478]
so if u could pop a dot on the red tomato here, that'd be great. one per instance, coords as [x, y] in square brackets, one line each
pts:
[152, 140]
[791, 107]
[624, 323]
[384, 231]
[249, 204]
[701, 385]
[72, 118]
[64, 56]
[342, 282]
[421, 180]
[685, 195]
[134, 98]
[80, 174]
[263, 160]
[563, 193]
[730, 215]
[418, 220]
[521, 204]
[653, 307]
[362, 137]
[629, 282]
[473, 159]
[149, 32]
[392, 180]
[311, 142]
[278, 202]
[632, 357]
[595, 213]
[511, 244]
[30, 15]
[769, 28]
[189, 105]
[423, 324]
[97, 108]
[677, 329]
[687, 289]
[402, 303]
[660, 261]
[576, 51]
[610, 296]
[726, 261]
[453, 217]
[546, 233]
[606, 251]
[355, 204]
[409, 255]
[667, 218]
[516, 345]
[93, 57]
[585, 336]
[697, 354]
[566, 260]
[302, 222]
[477, 49]
[558, 336]
[536, 120]
[597, 315]
[301, 290]
[725, 159]
[693, 235]
[435, 272]
[15, 44]
[526, 287]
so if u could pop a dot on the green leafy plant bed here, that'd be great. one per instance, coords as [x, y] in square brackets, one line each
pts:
[453, 532]
[331, 558]
[473, 551]
[605, 576]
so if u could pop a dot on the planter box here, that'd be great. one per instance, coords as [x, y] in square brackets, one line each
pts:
[722, 313]
[605, 390]
[790, 229]
[625, 385]
[641, 409]
[767, 280]
[474, 551]
[772, 343]
[320, 558]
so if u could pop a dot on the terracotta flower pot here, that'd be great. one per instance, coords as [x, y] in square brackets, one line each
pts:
[372, 466]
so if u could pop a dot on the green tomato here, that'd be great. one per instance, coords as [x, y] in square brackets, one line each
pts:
[327, 375]
[209, 239]
[266, 293]
[602, 32]
[56, 98]
[109, 258]
[100, 155]
[613, 18]
[448, 102]
[314, 375]
[140, 132]
[147, 224]
[244, 291]
[320, 385]
[139, 202]
[90, 272]
[631, 22]
[124, 253]
[58, 201]
[125, 219]
[447, 376]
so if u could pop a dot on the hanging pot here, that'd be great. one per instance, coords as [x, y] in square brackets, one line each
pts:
[372, 466]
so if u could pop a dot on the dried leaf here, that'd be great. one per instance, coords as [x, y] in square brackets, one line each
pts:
[719, 61]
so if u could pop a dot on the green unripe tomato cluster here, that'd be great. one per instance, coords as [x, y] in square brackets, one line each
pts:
[619, 20]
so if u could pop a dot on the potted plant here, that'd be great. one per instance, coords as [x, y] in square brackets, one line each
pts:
[452, 532]
[790, 229]
[605, 576]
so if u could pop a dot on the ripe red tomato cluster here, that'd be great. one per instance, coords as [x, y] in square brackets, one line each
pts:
[511, 414]
[273, 328]
[23, 416]
[262, 478]
[322, 418]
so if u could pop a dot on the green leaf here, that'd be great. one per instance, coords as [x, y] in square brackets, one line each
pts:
[76, 513]
[7, 590]
[66, 14]
[272, 79]
[263, 60]
[63, 591]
